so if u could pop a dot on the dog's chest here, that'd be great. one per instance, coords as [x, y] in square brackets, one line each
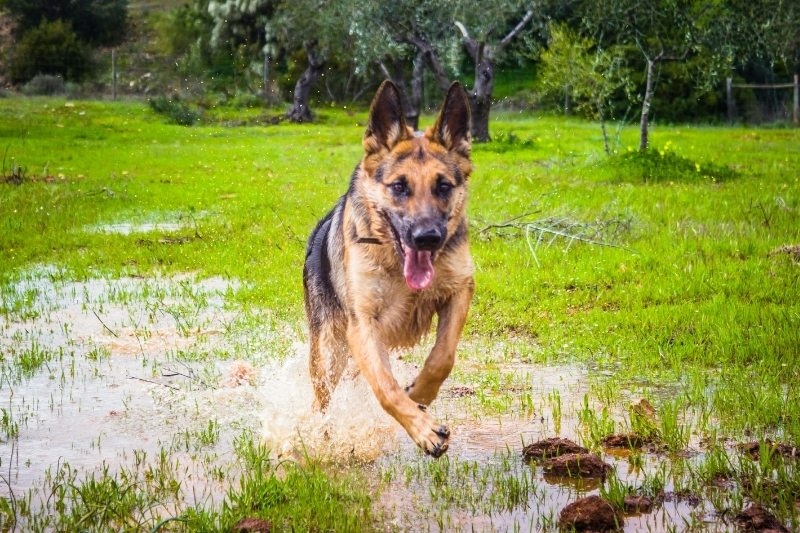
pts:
[405, 318]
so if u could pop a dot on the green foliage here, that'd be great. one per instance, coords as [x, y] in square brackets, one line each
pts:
[664, 165]
[184, 35]
[51, 48]
[44, 85]
[586, 73]
[176, 110]
[100, 22]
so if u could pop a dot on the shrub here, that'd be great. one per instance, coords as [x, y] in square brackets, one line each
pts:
[102, 22]
[52, 48]
[175, 110]
[656, 165]
[44, 85]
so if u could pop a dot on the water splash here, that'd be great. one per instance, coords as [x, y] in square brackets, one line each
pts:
[354, 426]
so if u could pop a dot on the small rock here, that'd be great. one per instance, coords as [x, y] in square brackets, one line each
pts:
[592, 513]
[585, 465]
[626, 440]
[552, 447]
[756, 518]
[638, 504]
[253, 525]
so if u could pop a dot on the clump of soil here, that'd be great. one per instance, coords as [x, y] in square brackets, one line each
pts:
[756, 518]
[240, 373]
[638, 504]
[626, 440]
[552, 447]
[583, 465]
[592, 513]
[792, 250]
[644, 408]
[460, 391]
[753, 449]
[253, 525]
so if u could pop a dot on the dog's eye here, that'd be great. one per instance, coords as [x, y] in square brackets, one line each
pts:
[443, 188]
[399, 187]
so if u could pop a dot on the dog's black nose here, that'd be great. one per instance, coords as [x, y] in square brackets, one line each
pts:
[427, 238]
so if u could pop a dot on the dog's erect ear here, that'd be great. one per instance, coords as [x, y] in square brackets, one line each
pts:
[386, 126]
[452, 128]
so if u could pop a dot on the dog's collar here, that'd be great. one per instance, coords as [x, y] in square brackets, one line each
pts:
[368, 240]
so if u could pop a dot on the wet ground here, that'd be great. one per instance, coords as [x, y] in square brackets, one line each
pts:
[130, 373]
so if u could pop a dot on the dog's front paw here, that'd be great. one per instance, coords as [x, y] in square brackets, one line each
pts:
[432, 438]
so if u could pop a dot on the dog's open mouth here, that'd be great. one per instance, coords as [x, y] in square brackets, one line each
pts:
[417, 268]
[417, 264]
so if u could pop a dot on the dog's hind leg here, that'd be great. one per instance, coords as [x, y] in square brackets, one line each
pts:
[326, 363]
[439, 363]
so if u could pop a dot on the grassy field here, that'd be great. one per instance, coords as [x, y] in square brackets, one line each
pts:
[658, 277]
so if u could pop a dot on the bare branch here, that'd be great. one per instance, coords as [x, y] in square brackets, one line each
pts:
[513, 33]
[384, 70]
[431, 58]
[463, 29]
[469, 43]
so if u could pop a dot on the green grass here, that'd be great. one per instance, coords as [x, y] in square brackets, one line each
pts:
[688, 297]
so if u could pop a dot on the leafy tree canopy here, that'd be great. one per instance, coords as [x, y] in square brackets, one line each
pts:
[101, 22]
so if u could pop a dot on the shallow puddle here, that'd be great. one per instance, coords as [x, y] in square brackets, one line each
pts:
[162, 222]
[130, 369]
[116, 378]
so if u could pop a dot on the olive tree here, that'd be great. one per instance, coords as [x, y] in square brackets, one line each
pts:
[98, 22]
[587, 73]
[662, 31]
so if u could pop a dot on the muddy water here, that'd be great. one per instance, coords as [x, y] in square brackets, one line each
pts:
[163, 222]
[141, 363]
[118, 383]
[491, 446]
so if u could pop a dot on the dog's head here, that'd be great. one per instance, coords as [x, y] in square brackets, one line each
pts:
[416, 183]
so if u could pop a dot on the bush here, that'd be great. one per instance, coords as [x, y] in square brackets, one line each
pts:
[52, 48]
[102, 22]
[44, 85]
[663, 165]
[175, 110]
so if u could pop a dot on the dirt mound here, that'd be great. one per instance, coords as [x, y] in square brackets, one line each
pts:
[552, 447]
[253, 525]
[792, 250]
[592, 513]
[626, 440]
[638, 504]
[756, 518]
[753, 449]
[584, 465]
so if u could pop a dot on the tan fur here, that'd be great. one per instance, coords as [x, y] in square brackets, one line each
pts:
[380, 312]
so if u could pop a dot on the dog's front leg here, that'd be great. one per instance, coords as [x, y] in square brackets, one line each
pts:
[452, 316]
[373, 361]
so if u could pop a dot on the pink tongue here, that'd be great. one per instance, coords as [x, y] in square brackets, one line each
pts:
[418, 269]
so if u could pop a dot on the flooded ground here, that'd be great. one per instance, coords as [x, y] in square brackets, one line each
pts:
[135, 376]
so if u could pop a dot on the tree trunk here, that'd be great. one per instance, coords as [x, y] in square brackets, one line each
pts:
[648, 97]
[481, 98]
[602, 118]
[300, 111]
[416, 89]
[409, 101]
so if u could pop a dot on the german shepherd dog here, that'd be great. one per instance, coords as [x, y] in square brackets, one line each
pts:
[392, 252]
